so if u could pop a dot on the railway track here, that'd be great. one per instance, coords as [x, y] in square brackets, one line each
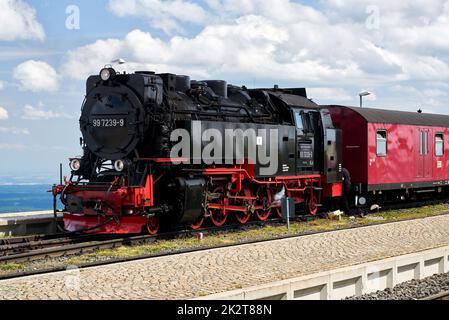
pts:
[19, 240]
[440, 296]
[26, 249]
[18, 245]
[65, 247]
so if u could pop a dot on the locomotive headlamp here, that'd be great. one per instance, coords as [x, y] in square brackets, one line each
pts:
[107, 74]
[362, 201]
[75, 164]
[119, 165]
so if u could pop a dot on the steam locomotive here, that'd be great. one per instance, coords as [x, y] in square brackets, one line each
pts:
[162, 149]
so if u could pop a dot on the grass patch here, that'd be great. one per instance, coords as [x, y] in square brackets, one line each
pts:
[258, 234]
[12, 267]
[413, 213]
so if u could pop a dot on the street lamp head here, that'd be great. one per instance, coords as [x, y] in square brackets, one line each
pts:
[119, 61]
[365, 93]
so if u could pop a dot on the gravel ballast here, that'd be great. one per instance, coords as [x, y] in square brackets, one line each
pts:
[412, 290]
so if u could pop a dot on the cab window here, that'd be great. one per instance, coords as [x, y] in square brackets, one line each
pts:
[381, 143]
[299, 123]
[439, 145]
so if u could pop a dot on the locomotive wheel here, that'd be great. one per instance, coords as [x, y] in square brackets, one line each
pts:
[198, 224]
[264, 199]
[243, 217]
[153, 225]
[311, 205]
[218, 216]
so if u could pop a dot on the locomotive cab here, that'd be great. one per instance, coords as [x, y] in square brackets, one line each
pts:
[318, 141]
[308, 136]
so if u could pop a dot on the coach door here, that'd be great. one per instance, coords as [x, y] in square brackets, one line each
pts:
[424, 162]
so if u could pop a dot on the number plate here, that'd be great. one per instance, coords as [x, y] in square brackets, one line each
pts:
[108, 123]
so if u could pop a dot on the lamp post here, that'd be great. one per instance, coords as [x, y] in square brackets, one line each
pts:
[363, 94]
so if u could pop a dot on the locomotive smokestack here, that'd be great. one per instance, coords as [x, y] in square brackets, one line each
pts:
[183, 83]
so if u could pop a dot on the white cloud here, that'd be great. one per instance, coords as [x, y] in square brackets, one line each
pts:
[2, 85]
[18, 21]
[328, 46]
[36, 76]
[3, 114]
[251, 47]
[14, 130]
[264, 40]
[89, 59]
[40, 113]
[165, 15]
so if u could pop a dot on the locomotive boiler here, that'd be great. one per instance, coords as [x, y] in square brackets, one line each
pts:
[165, 150]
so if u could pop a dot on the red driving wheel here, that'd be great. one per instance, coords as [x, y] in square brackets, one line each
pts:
[198, 223]
[312, 207]
[153, 225]
[264, 199]
[218, 216]
[243, 216]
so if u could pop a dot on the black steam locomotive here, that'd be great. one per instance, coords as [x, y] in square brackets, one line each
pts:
[161, 148]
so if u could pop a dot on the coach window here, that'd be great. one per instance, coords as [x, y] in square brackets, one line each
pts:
[381, 143]
[439, 145]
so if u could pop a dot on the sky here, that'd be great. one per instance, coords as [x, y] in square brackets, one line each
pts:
[398, 50]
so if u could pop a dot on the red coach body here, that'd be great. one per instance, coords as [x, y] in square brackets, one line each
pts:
[393, 150]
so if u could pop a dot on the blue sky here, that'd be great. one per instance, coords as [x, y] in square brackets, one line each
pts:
[397, 50]
[50, 141]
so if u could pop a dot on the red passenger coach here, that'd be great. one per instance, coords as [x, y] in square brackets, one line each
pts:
[393, 155]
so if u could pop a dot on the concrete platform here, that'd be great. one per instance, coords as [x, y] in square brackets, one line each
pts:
[350, 281]
[304, 267]
[25, 223]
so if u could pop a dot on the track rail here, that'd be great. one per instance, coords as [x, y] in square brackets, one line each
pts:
[19, 240]
[67, 247]
[39, 248]
[440, 296]
[17, 245]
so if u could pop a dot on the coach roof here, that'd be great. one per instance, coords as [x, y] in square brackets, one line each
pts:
[401, 117]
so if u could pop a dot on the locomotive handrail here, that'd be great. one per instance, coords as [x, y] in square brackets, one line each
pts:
[277, 180]
[202, 113]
